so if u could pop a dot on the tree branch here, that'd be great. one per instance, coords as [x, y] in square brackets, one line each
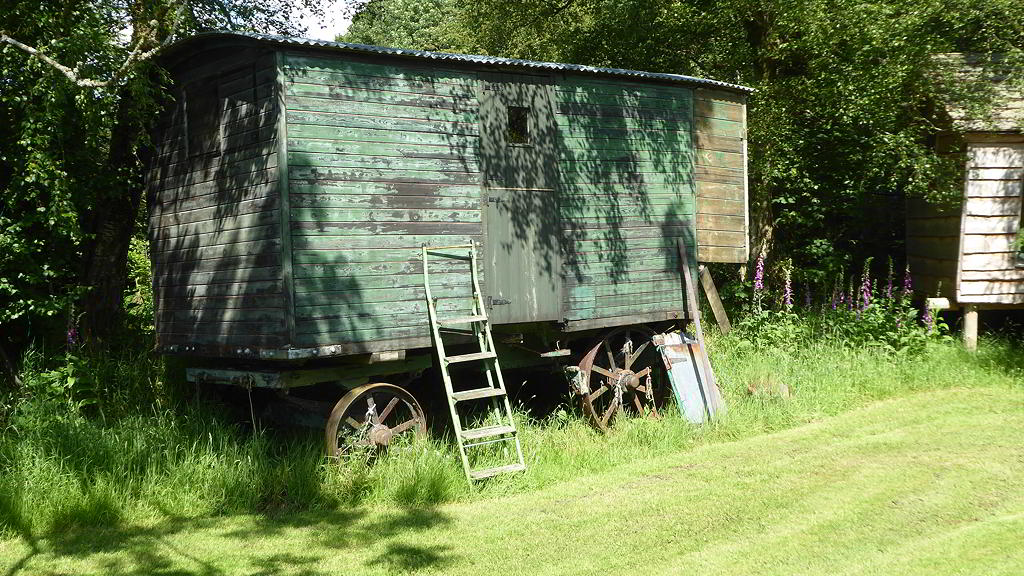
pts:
[136, 56]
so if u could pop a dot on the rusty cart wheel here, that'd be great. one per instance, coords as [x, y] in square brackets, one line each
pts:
[372, 416]
[622, 373]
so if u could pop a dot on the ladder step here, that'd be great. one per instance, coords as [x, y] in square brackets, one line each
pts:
[487, 432]
[488, 472]
[477, 394]
[470, 357]
[449, 255]
[462, 320]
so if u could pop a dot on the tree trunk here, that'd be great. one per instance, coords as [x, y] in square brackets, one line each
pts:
[105, 263]
[112, 227]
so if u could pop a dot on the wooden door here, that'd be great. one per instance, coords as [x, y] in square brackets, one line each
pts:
[522, 251]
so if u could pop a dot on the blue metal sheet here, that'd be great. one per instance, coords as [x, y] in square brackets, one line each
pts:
[697, 397]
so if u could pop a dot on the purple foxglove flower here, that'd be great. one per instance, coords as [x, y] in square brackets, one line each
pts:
[787, 291]
[759, 274]
[888, 285]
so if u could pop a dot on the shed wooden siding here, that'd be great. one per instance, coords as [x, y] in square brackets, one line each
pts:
[626, 195]
[720, 137]
[214, 225]
[989, 273]
[382, 159]
[933, 237]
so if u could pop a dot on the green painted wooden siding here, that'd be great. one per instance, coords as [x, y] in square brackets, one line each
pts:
[215, 238]
[627, 193]
[382, 159]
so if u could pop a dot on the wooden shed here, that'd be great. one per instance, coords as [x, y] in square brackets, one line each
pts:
[969, 251]
[296, 180]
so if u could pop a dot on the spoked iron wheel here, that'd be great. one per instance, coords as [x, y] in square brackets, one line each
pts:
[622, 373]
[372, 416]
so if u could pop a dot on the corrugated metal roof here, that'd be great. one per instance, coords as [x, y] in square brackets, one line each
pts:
[465, 58]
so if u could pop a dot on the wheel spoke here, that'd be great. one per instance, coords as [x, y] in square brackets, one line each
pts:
[643, 372]
[387, 409]
[353, 422]
[611, 355]
[408, 424]
[636, 354]
[636, 401]
[602, 372]
[608, 413]
[601, 390]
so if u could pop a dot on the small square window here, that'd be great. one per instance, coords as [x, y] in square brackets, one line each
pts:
[518, 129]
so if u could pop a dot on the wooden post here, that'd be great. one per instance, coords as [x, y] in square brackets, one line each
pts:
[971, 327]
[716, 303]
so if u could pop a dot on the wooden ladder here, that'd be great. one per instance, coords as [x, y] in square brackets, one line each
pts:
[504, 427]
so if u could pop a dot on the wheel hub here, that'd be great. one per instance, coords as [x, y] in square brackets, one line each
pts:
[626, 379]
[380, 435]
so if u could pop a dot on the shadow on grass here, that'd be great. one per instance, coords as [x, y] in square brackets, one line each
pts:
[152, 550]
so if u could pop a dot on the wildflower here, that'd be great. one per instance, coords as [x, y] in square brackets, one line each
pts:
[759, 274]
[907, 286]
[888, 285]
[72, 336]
[865, 289]
[929, 320]
[787, 289]
[758, 282]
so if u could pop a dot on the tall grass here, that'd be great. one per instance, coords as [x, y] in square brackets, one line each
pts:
[67, 471]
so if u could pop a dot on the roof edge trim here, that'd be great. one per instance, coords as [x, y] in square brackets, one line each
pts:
[462, 58]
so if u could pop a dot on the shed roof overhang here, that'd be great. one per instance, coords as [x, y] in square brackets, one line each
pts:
[204, 40]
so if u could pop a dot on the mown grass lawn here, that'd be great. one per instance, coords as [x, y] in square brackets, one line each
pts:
[930, 483]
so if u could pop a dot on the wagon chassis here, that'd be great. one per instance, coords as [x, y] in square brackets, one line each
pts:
[618, 371]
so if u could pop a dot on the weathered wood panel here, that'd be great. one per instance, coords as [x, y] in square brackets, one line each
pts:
[382, 159]
[626, 167]
[214, 223]
[719, 134]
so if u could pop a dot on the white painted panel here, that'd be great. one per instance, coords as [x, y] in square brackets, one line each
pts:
[992, 299]
[994, 188]
[978, 288]
[995, 156]
[995, 174]
[1015, 274]
[990, 224]
[993, 206]
[983, 243]
[993, 261]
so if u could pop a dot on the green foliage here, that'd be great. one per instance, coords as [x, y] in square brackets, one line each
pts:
[138, 298]
[53, 143]
[418, 24]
